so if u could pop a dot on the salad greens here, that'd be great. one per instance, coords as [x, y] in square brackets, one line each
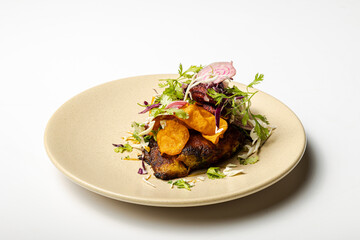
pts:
[214, 173]
[249, 160]
[237, 104]
[181, 183]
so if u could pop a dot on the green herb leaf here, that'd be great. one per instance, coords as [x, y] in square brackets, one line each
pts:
[250, 160]
[164, 99]
[218, 97]
[147, 138]
[214, 173]
[172, 90]
[262, 132]
[126, 147]
[236, 91]
[180, 69]
[245, 118]
[262, 118]
[241, 109]
[187, 74]
[181, 183]
[258, 78]
[137, 137]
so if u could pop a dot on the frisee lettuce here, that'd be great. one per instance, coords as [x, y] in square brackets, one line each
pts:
[241, 108]
[173, 90]
[192, 69]
[173, 87]
[258, 78]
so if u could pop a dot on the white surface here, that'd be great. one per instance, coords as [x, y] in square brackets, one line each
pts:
[308, 50]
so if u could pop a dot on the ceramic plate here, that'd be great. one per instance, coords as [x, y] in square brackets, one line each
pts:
[79, 137]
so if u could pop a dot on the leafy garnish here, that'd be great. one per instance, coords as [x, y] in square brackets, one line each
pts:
[257, 80]
[164, 99]
[249, 160]
[138, 128]
[181, 183]
[124, 148]
[218, 97]
[262, 132]
[172, 91]
[137, 137]
[192, 69]
[237, 103]
[214, 173]
[147, 138]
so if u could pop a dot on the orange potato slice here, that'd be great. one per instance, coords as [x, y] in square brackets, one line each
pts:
[199, 119]
[172, 139]
[216, 137]
[204, 122]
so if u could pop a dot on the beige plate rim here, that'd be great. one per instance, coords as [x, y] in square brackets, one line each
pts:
[168, 202]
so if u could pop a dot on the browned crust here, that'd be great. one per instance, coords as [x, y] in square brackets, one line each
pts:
[198, 153]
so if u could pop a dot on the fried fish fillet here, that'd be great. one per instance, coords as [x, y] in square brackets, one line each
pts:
[198, 153]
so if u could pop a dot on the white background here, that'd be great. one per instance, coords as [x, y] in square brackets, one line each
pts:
[308, 51]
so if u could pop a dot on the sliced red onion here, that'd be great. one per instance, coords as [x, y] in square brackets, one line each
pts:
[142, 170]
[240, 97]
[217, 115]
[118, 145]
[224, 70]
[176, 104]
[148, 108]
[143, 165]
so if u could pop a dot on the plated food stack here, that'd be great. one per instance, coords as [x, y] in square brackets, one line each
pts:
[197, 121]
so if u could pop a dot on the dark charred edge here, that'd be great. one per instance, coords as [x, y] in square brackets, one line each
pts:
[205, 156]
[200, 95]
[210, 108]
[165, 176]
